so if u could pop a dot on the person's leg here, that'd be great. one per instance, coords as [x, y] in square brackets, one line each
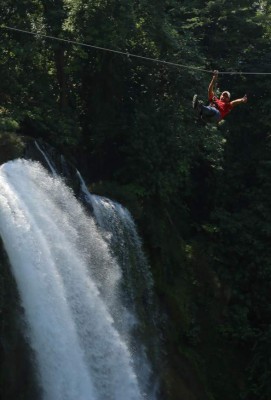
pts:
[209, 114]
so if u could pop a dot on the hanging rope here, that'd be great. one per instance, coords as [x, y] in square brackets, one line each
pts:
[156, 60]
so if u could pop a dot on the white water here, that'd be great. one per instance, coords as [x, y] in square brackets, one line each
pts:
[119, 230]
[69, 284]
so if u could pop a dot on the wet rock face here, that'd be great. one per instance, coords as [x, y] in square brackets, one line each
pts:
[17, 365]
[14, 145]
[17, 377]
[57, 164]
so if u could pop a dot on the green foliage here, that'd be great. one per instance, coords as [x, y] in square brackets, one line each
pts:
[8, 124]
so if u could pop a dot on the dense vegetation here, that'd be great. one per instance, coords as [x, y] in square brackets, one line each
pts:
[201, 195]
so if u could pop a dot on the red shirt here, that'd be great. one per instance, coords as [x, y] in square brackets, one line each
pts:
[223, 108]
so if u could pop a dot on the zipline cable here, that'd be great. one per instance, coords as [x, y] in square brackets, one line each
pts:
[127, 54]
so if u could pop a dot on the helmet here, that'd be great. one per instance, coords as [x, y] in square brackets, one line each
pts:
[228, 93]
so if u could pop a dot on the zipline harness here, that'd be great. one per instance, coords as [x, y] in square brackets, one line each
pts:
[127, 54]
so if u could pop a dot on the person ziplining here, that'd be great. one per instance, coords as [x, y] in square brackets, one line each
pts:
[218, 108]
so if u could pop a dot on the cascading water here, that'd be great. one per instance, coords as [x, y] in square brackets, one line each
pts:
[69, 285]
[118, 229]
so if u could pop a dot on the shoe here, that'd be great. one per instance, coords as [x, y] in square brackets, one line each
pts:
[195, 101]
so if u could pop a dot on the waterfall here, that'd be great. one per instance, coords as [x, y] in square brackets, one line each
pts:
[118, 229]
[69, 285]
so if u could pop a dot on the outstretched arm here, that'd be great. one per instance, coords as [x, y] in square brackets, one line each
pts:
[239, 101]
[211, 86]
